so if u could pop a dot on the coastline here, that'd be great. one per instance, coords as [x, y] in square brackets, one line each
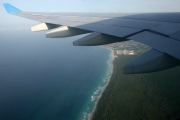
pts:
[137, 96]
[112, 56]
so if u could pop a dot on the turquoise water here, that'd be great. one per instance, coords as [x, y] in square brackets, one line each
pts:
[49, 79]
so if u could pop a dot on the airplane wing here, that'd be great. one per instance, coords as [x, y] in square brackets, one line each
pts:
[160, 31]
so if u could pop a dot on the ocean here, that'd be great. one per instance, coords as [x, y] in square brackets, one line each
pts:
[49, 79]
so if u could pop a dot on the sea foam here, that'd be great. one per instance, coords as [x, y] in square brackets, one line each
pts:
[98, 91]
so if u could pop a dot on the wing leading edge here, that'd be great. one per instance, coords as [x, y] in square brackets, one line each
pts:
[161, 31]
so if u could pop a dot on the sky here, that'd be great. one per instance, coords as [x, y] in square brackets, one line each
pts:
[116, 6]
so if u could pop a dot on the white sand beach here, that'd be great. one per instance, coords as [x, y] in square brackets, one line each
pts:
[107, 83]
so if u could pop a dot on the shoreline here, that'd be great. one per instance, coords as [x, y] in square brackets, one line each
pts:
[107, 83]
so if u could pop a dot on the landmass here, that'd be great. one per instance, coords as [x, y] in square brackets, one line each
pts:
[150, 96]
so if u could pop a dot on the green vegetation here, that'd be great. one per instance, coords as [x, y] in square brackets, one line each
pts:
[151, 96]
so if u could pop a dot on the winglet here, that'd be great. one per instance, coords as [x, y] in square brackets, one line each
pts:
[11, 9]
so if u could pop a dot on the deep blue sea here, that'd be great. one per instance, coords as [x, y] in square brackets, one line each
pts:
[49, 79]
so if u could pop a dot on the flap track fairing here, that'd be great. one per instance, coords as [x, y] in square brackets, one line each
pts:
[65, 31]
[43, 26]
[96, 38]
[150, 62]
